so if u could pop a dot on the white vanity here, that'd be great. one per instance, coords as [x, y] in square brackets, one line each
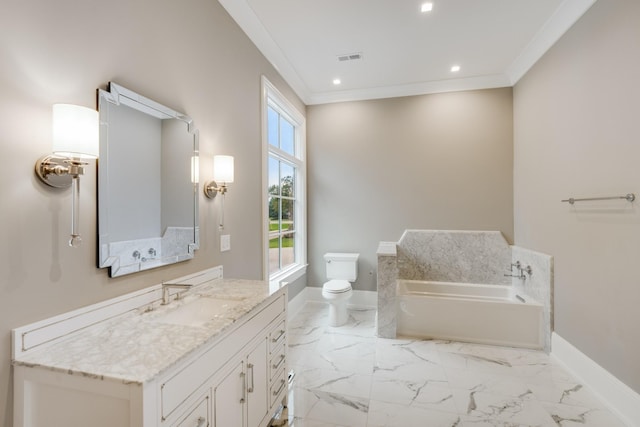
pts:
[215, 357]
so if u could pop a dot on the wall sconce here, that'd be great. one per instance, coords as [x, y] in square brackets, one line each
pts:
[75, 138]
[222, 173]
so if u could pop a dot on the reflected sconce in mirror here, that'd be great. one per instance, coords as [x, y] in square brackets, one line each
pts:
[75, 139]
[222, 175]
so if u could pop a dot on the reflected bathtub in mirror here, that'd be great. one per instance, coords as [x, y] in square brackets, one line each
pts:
[147, 190]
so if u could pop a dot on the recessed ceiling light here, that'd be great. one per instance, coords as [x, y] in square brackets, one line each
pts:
[336, 82]
[455, 68]
[426, 7]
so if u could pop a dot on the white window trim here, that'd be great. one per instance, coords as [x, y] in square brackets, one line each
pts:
[288, 110]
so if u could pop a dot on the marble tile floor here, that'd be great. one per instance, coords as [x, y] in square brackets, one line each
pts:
[347, 377]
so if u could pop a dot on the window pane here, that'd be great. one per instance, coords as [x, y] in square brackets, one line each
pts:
[274, 254]
[288, 211]
[272, 126]
[288, 253]
[287, 141]
[287, 176]
[274, 214]
[274, 176]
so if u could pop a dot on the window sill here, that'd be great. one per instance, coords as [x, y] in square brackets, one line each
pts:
[291, 274]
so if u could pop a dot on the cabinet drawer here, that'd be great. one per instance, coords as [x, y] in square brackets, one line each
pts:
[277, 361]
[277, 336]
[199, 416]
[278, 388]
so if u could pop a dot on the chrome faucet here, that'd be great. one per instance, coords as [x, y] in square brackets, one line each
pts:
[521, 270]
[167, 286]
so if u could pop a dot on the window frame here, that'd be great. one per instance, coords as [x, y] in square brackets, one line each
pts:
[272, 97]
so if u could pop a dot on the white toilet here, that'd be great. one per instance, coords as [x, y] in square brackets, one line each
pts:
[341, 270]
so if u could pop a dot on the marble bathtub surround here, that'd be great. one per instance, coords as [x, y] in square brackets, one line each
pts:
[349, 377]
[137, 346]
[481, 257]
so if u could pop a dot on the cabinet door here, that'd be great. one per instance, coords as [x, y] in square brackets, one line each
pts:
[257, 384]
[229, 398]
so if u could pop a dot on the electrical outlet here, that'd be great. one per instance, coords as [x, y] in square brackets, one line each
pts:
[225, 242]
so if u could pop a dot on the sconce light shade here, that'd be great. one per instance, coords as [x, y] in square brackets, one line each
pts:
[223, 169]
[75, 131]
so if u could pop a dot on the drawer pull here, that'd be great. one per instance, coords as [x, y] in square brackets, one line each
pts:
[276, 339]
[250, 387]
[244, 387]
[202, 422]
[277, 365]
[277, 392]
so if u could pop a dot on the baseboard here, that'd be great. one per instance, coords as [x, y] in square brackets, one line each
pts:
[619, 398]
[360, 299]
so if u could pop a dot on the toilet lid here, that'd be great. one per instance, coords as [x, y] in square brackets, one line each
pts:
[337, 286]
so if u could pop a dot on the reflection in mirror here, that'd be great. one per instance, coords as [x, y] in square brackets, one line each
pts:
[147, 183]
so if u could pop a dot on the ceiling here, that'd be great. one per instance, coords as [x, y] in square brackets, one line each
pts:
[403, 51]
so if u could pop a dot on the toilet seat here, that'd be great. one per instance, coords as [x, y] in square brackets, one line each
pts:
[336, 286]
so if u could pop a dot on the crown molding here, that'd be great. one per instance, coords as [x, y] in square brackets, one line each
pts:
[559, 23]
[241, 12]
[423, 88]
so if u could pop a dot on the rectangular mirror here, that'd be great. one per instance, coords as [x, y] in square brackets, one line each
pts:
[147, 183]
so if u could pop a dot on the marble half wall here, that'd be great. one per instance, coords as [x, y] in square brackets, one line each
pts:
[482, 257]
[387, 277]
[538, 285]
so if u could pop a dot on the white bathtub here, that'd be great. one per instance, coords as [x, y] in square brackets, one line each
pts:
[488, 314]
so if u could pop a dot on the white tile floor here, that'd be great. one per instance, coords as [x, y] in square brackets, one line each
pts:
[346, 377]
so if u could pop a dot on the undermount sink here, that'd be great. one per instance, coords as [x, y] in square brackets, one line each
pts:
[198, 311]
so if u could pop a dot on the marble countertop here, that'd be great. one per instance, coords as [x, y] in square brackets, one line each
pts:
[137, 346]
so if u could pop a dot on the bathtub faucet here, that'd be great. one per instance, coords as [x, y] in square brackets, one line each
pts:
[521, 270]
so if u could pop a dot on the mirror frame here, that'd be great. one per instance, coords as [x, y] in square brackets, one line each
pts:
[119, 95]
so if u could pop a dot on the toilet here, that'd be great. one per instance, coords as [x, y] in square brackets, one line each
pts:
[342, 268]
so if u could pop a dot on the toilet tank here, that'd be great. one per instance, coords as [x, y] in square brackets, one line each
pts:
[342, 266]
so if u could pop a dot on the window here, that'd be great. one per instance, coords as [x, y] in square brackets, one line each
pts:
[284, 176]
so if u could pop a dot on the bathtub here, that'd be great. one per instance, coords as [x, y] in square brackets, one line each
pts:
[487, 314]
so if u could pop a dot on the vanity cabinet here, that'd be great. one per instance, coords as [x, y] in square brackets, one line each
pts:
[244, 392]
[235, 380]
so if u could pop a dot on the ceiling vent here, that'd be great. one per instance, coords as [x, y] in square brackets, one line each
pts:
[350, 57]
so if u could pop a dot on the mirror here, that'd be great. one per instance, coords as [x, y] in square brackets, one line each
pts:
[147, 183]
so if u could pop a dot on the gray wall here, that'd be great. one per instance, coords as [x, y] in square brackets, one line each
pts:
[576, 135]
[190, 56]
[376, 168]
